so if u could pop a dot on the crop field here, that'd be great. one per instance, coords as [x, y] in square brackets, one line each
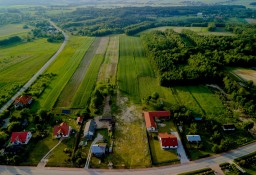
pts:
[64, 66]
[19, 62]
[246, 74]
[132, 65]
[12, 29]
[109, 67]
[85, 89]
[220, 31]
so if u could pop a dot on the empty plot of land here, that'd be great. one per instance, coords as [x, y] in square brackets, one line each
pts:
[11, 29]
[109, 66]
[246, 74]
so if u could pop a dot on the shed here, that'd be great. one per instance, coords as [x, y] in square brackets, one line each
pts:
[193, 138]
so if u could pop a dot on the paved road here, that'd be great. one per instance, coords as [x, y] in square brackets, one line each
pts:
[170, 170]
[35, 76]
[180, 150]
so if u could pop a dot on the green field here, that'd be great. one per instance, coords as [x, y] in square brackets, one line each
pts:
[19, 62]
[85, 89]
[132, 65]
[12, 29]
[64, 66]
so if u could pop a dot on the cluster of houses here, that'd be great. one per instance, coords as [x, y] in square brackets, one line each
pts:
[166, 140]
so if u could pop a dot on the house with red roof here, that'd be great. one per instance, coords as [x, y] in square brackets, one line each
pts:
[168, 140]
[22, 101]
[63, 130]
[150, 119]
[18, 138]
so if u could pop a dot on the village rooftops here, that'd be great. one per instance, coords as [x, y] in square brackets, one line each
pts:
[22, 101]
[20, 137]
[168, 140]
[63, 130]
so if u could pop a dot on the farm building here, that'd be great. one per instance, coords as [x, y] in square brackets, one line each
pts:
[193, 138]
[18, 138]
[63, 130]
[22, 101]
[99, 149]
[168, 140]
[150, 119]
[229, 127]
[89, 129]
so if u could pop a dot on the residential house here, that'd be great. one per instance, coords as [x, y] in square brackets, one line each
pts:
[63, 130]
[229, 127]
[99, 149]
[194, 138]
[23, 101]
[79, 120]
[150, 119]
[18, 138]
[168, 140]
[89, 129]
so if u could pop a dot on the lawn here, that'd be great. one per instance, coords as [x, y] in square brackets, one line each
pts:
[64, 66]
[160, 155]
[40, 149]
[19, 62]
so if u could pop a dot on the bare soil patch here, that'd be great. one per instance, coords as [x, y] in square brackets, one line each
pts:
[251, 21]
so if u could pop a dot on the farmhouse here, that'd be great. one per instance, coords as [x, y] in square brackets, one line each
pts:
[18, 138]
[63, 130]
[89, 129]
[22, 101]
[194, 138]
[229, 127]
[150, 119]
[99, 149]
[168, 140]
[79, 120]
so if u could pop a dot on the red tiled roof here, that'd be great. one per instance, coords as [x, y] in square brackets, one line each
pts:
[79, 119]
[168, 139]
[24, 99]
[63, 129]
[19, 136]
[149, 117]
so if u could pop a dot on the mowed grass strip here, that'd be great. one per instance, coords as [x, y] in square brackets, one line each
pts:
[85, 89]
[64, 66]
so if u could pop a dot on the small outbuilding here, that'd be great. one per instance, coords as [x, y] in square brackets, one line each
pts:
[194, 138]
[79, 120]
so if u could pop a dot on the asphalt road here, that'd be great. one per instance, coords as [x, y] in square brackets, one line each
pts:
[165, 170]
[41, 71]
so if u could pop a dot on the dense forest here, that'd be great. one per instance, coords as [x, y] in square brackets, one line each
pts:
[131, 20]
[187, 57]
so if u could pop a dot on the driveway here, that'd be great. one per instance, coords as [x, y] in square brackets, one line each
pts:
[180, 150]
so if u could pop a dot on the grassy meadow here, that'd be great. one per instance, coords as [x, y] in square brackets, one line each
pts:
[19, 62]
[12, 29]
[64, 66]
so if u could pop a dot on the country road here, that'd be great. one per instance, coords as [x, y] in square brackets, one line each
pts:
[165, 170]
[41, 71]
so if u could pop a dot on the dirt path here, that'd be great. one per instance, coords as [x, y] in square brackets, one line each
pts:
[66, 96]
